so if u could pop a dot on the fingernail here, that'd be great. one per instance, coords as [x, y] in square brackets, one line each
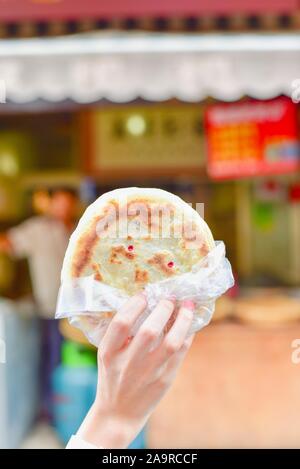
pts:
[188, 304]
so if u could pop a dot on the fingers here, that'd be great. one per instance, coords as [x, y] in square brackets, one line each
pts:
[176, 360]
[118, 331]
[166, 372]
[150, 331]
[152, 328]
[175, 339]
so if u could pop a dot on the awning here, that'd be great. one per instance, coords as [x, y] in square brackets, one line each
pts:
[156, 67]
[28, 18]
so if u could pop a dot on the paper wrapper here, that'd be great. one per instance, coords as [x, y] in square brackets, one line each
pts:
[90, 304]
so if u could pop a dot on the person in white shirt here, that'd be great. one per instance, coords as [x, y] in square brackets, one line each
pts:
[43, 240]
[134, 373]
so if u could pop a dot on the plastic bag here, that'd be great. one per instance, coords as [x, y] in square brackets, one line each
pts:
[90, 304]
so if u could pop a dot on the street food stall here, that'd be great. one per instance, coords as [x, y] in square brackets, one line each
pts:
[208, 117]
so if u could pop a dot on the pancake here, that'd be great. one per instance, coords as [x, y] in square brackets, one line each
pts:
[131, 237]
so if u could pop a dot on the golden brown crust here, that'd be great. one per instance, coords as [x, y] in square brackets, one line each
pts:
[122, 251]
[141, 276]
[84, 250]
[160, 262]
[167, 256]
[97, 273]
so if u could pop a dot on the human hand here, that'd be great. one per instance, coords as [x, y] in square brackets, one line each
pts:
[135, 373]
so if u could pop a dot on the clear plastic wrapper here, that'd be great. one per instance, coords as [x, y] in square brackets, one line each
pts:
[90, 304]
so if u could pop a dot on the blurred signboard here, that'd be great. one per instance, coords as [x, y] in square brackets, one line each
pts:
[20, 10]
[252, 138]
[163, 139]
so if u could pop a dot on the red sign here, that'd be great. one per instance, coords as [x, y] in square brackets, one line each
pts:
[252, 138]
[22, 10]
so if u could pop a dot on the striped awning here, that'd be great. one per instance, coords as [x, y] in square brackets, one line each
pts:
[123, 67]
[28, 18]
[211, 23]
[24, 18]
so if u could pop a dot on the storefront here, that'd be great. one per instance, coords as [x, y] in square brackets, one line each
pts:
[97, 113]
[207, 117]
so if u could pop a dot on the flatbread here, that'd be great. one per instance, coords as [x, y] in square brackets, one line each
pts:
[134, 236]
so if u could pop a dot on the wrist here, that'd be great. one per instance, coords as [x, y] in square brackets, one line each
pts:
[105, 430]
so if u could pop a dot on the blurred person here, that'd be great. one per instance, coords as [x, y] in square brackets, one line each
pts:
[134, 373]
[41, 201]
[43, 240]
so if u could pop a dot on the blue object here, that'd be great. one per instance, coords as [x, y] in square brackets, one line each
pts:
[19, 383]
[74, 384]
[140, 441]
[88, 190]
[74, 392]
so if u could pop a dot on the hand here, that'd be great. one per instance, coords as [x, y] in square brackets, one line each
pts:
[135, 373]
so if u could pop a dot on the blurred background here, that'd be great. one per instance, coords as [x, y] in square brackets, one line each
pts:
[200, 99]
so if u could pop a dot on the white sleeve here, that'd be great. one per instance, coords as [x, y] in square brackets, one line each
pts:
[78, 443]
[23, 236]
